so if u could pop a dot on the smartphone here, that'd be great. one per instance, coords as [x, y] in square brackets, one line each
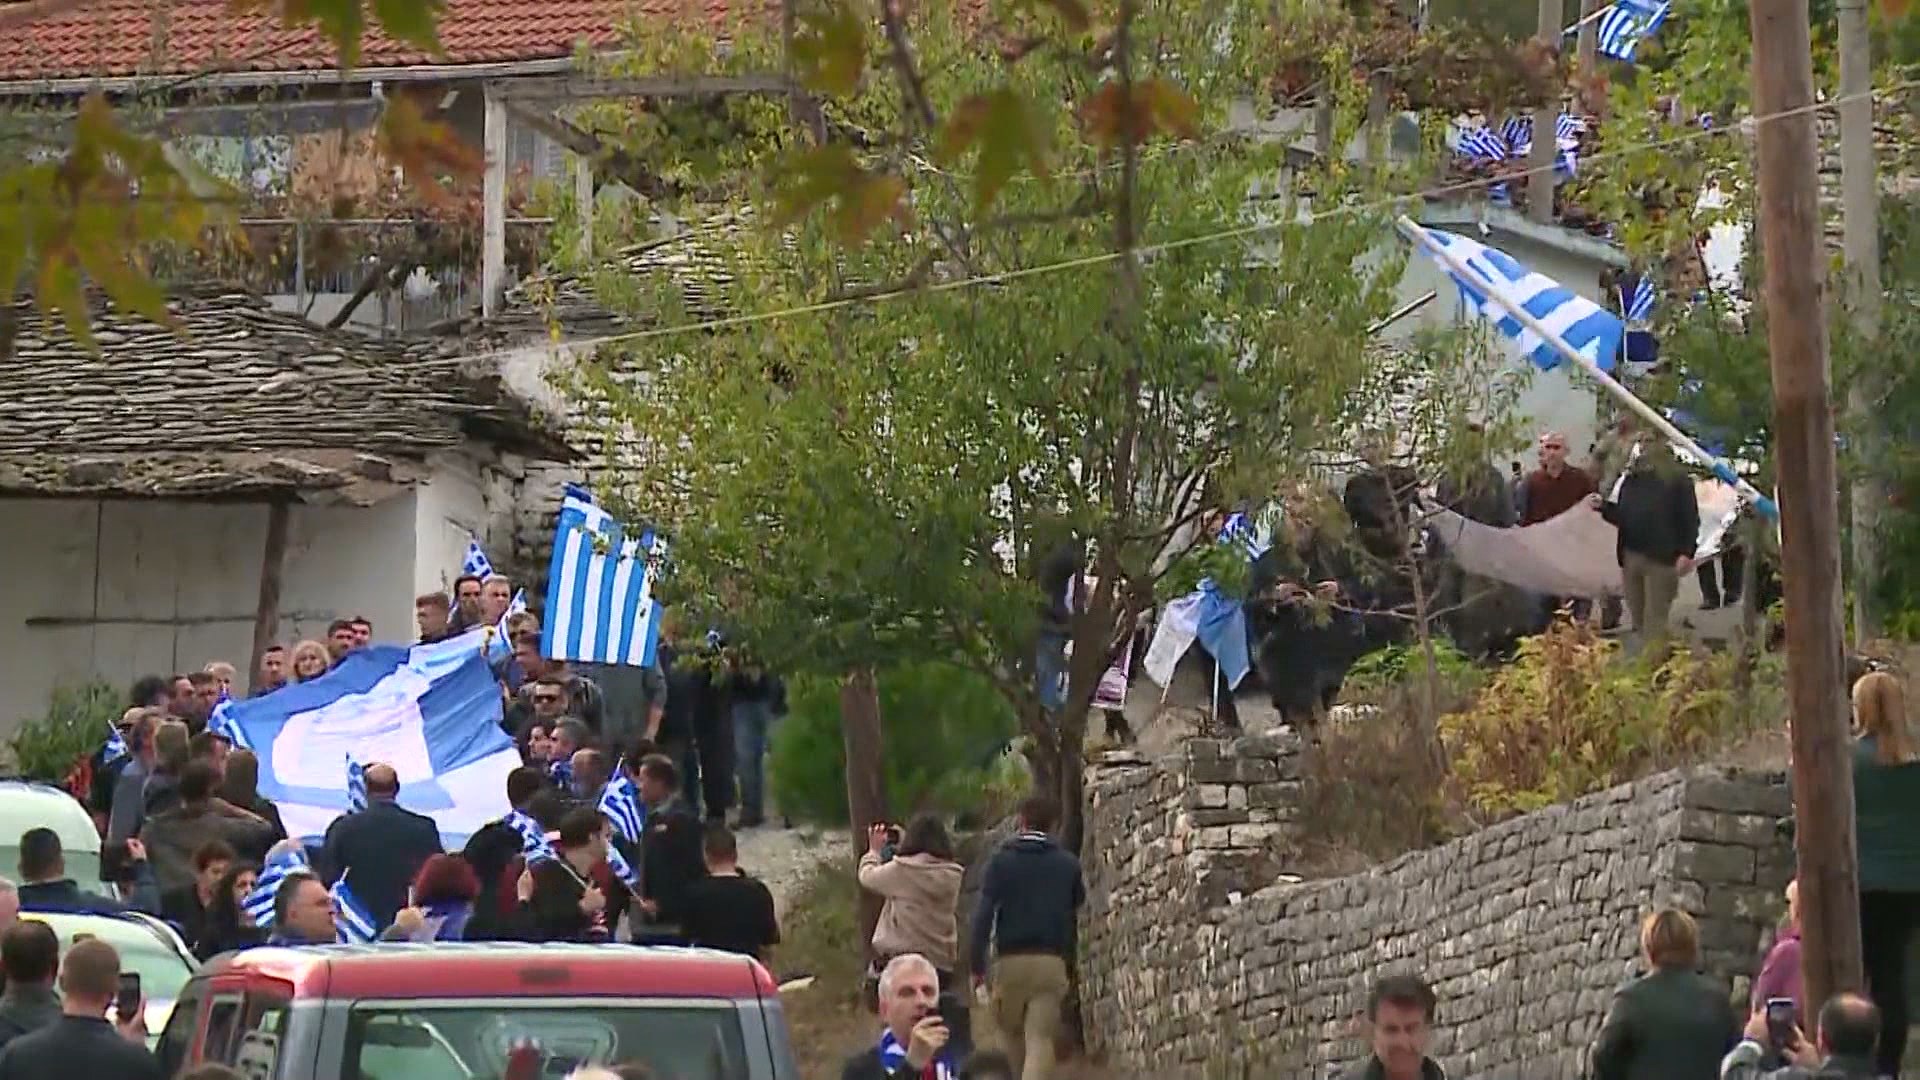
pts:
[126, 1003]
[1780, 1022]
[952, 1011]
[893, 836]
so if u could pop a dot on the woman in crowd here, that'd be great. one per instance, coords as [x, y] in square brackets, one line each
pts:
[226, 926]
[920, 885]
[1780, 975]
[1671, 1023]
[1886, 808]
[443, 897]
[241, 787]
[309, 660]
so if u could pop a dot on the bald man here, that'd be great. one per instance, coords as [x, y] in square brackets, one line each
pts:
[380, 849]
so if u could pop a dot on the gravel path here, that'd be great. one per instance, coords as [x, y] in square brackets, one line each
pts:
[784, 857]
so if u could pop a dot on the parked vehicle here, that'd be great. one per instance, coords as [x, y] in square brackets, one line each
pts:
[27, 804]
[456, 1010]
[146, 945]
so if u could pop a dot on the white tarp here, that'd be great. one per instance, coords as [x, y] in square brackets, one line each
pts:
[1573, 554]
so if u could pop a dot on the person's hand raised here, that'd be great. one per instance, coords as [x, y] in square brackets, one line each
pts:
[929, 1038]
[876, 837]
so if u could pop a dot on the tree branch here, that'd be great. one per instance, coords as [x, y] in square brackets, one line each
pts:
[900, 55]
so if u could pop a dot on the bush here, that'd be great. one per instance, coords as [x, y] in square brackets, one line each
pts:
[76, 723]
[1397, 669]
[1569, 716]
[1371, 791]
[945, 730]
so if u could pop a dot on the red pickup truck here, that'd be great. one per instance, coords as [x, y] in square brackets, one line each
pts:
[479, 1011]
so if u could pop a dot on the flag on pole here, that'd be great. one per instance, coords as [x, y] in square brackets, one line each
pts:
[600, 605]
[1586, 326]
[1637, 302]
[352, 923]
[116, 747]
[620, 803]
[476, 562]
[356, 785]
[623, 869]
[1627, 23]
[533, 839]
[259, 903]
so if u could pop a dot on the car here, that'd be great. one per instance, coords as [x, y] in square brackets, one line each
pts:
[26, 804]
[457, 1010]
[146, 945]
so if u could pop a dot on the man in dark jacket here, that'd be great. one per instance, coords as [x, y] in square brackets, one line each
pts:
[1849, 1029]
[29, 954]
[1400, 1023]
[1658, 516]
[186, 906]
[173, 837]
[1028, 897]
[565, 905]
[45, 885]
[81, 1042]
[1672, 1023]
[914, 1042]
[671, 855]
[381, 848]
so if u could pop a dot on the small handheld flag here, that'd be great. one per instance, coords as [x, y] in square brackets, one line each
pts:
[259, 903]
[620, 804]
[356, 785]
[116, 747]
[533, 839]
[352, 923]
[1627, 23]
[476, 562]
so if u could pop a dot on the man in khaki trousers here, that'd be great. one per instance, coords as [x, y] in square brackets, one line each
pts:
[1658, 515]
[1029, 899]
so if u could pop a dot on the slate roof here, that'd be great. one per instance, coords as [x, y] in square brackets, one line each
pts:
[240, 400]
[114, 38]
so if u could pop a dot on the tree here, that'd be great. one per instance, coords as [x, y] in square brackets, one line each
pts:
[1052, 312]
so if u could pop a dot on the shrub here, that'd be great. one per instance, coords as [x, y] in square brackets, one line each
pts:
[75, 724]
[1395, 671]
[944, 727]
[1371, 791]
[1569, 716]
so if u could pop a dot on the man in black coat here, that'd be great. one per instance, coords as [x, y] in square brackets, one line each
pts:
[914, 1043]
[81, 1042]
[380, 849]
[671, 851]
[1658, 515]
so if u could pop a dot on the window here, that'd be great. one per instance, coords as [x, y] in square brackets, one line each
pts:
[176, 1041]
[223, 1017]
[457, 1041]
[257, 1055]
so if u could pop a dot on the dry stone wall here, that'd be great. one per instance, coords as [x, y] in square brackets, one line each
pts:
[1201, 957]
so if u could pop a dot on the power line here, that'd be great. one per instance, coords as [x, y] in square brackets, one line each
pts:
[1102, 257]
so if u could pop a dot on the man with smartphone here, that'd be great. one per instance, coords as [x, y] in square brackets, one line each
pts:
[1849, 1029]
[83, 1042]
[914, 1045]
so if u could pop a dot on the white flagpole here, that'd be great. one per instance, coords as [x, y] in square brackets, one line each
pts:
[1599, 11]
[1719, 467]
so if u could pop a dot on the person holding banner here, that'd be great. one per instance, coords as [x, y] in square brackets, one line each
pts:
[1658, 515]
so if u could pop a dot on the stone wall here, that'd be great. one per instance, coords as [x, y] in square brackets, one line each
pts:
[1200, 957]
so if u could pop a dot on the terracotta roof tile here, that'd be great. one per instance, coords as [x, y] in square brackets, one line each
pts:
[116, 38]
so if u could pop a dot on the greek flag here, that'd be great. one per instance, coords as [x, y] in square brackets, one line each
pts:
[1629, 22]
[533, 839]
[620, 803]
[600, 605]
[116, 747]
[352, 925]
[356, 785]
[259, 903]
[622, 869]
[432, 712]
[1241, 529]
[476, 561]
[1637, 302]
[1581, 323]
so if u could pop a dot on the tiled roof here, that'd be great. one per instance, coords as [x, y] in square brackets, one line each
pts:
[115, 38]
[240, 399]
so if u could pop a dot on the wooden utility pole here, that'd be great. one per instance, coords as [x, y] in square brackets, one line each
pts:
[273, 561]
[493, 201]
[1809, 510]
[1540, 179]
[1860, 208]
[1588, 50]
[862, 738]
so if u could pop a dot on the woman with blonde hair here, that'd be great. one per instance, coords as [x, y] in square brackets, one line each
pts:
[1671, 1023]
[309, 660]
[1886, 809]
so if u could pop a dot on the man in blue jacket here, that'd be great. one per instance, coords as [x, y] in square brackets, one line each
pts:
[1028, 901]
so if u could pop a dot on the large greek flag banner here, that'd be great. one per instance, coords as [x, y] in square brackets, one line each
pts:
[600, 605]
[430, 711]
[1589, 328]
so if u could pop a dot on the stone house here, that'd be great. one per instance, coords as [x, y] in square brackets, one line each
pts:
[140, 486]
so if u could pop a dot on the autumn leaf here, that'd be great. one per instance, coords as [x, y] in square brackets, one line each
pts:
[429, 151]
[830, 176]
[830, 51]
[1155, 107]
[344, 22]
[1001, 127]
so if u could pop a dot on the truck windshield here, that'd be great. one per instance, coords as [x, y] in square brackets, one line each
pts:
[519, 1040]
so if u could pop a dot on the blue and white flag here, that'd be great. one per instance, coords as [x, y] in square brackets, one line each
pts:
[1205, 615]
[352, 923]
[259, 903]
[356, 785]
[1255, 537]
[1586, 326]
[1637, 302]
[623, 869]
[1629, 22]
[476, 562]
[116, 747]
[432, 712]
[600, 605]
[620, 803]
[533, 839]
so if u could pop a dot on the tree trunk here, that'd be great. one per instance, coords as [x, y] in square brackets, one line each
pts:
[1789, 217]
[860, 732]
